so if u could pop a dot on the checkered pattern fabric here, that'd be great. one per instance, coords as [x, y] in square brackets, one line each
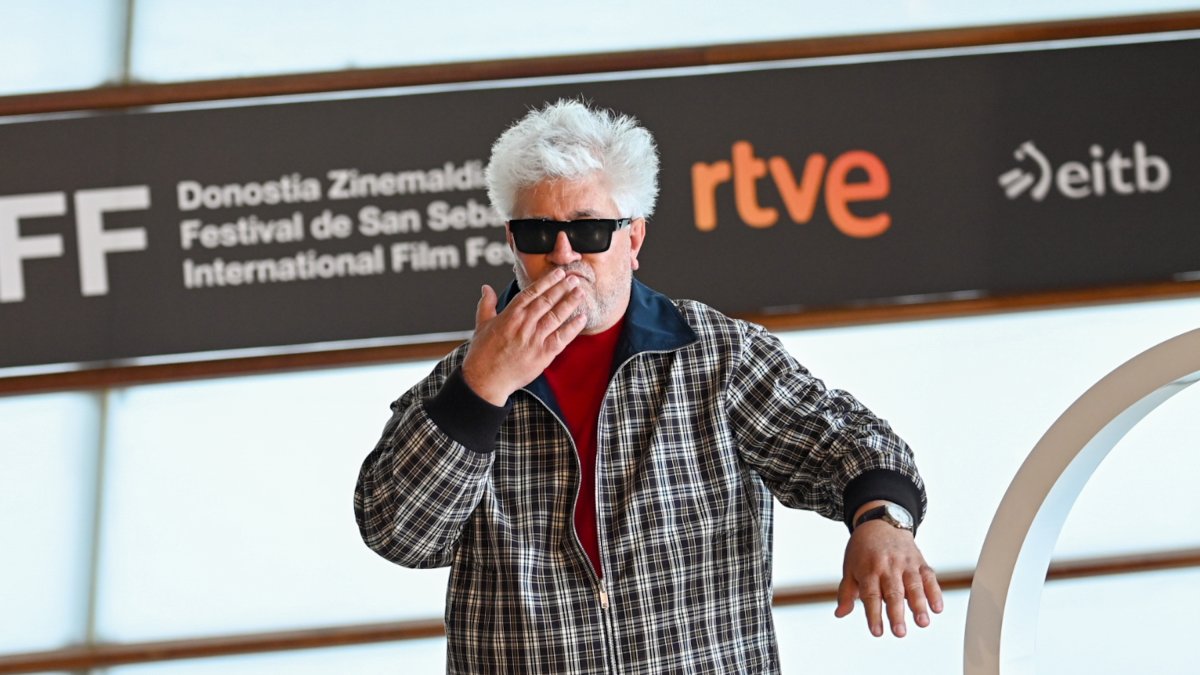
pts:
[697, 432]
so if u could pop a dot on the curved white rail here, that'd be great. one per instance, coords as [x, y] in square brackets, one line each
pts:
[1007, 588]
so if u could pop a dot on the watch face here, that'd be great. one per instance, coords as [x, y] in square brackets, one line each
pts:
[899, 516]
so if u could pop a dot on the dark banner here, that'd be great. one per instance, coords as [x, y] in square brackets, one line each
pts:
[269, 223]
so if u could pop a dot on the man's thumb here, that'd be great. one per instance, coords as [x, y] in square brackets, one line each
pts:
[486, 309]
[847, 594]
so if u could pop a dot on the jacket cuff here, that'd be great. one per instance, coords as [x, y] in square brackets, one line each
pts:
[465, 417]
[881, 484]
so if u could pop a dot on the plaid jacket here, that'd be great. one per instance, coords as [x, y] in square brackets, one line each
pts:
[706, 418]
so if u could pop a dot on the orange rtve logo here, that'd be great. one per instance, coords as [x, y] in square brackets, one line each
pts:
[800, 197]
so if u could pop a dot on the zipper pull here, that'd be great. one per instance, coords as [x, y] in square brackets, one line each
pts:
[603, 598]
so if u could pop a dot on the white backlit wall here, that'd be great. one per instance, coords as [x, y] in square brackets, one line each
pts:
[48, 454]
[232, 501]
[48, 45]
[69, 44]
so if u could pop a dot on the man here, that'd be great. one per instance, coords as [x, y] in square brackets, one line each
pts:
[597, 464]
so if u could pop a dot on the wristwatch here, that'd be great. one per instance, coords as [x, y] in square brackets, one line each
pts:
[893, 514]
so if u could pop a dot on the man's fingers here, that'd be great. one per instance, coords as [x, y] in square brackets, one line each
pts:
[893, 597]
[933, 590]
[872, 600]
[561, 313]
[545, 307]
[561, 337]
[914, 590]
[551, 299]
[539, 286]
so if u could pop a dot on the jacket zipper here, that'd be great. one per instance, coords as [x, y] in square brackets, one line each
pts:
[609, 632]
[597, 581]
[600, 583]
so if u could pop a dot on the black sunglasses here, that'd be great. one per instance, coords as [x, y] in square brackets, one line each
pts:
[589, 235]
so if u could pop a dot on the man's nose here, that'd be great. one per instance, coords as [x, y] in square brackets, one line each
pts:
[562, 253]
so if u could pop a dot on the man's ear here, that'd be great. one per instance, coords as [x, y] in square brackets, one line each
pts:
[637, 235]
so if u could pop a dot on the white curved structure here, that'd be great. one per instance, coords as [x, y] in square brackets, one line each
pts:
[1007, 589]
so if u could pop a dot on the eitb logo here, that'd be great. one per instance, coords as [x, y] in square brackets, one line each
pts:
[1117, 174]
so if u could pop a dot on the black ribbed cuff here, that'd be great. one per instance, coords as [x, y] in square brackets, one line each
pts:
[881, 484]
[464, 416]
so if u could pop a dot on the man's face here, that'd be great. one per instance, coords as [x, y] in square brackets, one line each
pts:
[605, 278]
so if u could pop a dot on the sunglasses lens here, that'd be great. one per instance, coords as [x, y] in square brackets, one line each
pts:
[590, 236]
[534, 238]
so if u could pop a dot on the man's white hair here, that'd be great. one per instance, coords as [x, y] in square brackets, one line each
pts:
[570, 140]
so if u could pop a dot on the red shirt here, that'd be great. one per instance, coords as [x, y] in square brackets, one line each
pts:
[579, 378]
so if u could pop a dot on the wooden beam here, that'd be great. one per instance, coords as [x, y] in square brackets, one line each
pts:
[102, 376]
